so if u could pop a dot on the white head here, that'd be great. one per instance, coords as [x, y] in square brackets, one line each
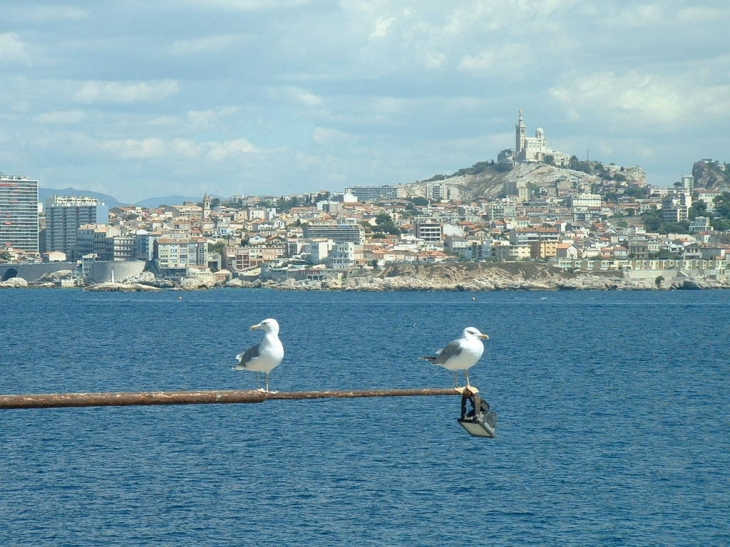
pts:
[473, 331]
[268, 325]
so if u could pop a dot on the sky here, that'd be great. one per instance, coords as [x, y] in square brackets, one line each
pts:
[141, 99]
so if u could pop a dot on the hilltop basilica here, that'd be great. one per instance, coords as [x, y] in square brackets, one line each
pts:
[532, 149]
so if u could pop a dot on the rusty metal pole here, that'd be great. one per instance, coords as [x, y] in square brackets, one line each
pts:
[146, 398]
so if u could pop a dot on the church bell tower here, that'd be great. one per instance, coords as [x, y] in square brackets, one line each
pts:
[520, 129]
[206, 205]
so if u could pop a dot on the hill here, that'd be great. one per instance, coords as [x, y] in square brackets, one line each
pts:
[711, 174]
[499, 180]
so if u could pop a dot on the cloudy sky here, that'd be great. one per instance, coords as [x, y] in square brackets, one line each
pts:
[141, 99]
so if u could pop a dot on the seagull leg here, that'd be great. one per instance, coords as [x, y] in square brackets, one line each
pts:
[267, 381]
[456, 378]
[466, 373]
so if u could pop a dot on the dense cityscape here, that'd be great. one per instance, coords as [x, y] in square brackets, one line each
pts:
[583, 217]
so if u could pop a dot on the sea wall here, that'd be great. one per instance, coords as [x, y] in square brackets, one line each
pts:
[33, 272]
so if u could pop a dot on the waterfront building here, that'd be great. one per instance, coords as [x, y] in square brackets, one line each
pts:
[319, 250]
[91, 239]
[173, 253]
[65, 215]
[145, 244]
[344, 255]
[120, 248]
[19, 213]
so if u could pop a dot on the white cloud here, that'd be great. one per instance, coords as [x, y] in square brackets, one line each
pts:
[40, 14]
[126, 92]
[327, 135]
[61, 117]
[296, 95]
[135, 148]
[435, 60]
[245, 5]
[13, 50]
[381, 27]
[507, 56]
[219, 151]
[208, 44]
[206, 118]
[177, 149]
[381, 89]
[634, 99]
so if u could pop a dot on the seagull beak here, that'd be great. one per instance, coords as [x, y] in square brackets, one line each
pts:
[254, 327]
[484, 336]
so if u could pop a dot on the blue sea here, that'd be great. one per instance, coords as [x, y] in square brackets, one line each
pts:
[614, 421]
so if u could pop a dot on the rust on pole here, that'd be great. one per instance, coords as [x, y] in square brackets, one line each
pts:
[149, 398]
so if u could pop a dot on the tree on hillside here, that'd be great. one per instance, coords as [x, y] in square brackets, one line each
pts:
[419, 201]
[384, 224]
[218, 247]
[475, 169]
[652, 220]
[636, 191]
[698, 209]
[722, 205]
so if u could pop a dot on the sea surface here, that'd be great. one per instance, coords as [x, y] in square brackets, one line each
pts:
[614, 421]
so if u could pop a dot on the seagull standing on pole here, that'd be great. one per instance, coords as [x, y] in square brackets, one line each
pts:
[264, 356]
[461, 354]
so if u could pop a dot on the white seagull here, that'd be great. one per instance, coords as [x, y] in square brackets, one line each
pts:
[265, 356]
[461, 354]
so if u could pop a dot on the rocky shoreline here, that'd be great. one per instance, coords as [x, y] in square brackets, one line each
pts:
[461, 276]
[513, 276]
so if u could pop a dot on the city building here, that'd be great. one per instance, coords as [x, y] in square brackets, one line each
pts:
[65, 215]
[120, 248]
[428, 231]
[335, 232]
[585, 200]
[344, 255]
[91, 239]
[375, 193]
[19, 213]
[173, 253]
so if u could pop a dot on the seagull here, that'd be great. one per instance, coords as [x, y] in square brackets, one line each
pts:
[265, 356]
[461, 354]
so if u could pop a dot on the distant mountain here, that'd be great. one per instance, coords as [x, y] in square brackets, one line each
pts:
[111, 201]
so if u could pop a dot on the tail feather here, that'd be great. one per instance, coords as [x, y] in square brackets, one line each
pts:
[430, 358]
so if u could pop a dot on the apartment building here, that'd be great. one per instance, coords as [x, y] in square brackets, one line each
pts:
[19, 213]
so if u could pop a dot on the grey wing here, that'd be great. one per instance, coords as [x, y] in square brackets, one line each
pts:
[453, 349]
[250, 354]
